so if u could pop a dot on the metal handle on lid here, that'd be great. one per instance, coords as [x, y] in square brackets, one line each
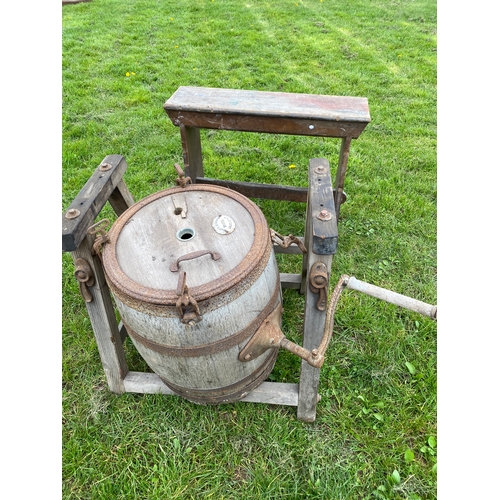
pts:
[194, 255]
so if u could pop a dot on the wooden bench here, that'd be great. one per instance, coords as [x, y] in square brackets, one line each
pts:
[191, 109]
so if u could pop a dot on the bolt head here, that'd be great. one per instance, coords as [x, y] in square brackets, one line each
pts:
[324, 215]
[72, 213]
[104, 167]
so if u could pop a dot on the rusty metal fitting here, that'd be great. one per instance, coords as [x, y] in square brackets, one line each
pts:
[104, 167]
[99, 229]
[320, 169]
[72, 213]
[324, 215]
[182, 180]
[318, 283]
[286, 241]
[85, 277]
[187, 307]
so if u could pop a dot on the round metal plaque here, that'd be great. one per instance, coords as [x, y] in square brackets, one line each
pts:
[223, 224]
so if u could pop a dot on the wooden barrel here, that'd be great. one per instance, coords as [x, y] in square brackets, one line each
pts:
[193, 274]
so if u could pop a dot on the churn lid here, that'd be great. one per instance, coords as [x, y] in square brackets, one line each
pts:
[217, 236]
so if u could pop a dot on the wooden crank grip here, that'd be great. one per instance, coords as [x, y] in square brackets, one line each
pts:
[194, 255]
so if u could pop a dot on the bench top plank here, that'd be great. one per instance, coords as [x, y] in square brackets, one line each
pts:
[269, 104]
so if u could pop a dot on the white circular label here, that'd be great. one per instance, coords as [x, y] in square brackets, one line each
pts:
[223, 224]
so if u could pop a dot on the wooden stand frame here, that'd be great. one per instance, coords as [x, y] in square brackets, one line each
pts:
[320, 239]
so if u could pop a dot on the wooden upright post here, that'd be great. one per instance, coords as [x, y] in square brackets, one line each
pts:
[102, 318]
[105, 185]
[321, 243]
[191, 151]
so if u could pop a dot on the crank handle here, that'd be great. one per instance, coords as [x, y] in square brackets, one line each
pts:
[270, 336]
[314, 357]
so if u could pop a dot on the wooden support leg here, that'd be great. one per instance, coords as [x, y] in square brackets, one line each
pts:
[341, 171]
[106, 184]
[321, 243]
[103, 321]
[121, 198]
[191, 152]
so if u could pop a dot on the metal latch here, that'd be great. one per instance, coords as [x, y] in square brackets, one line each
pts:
[187, 306]
[85, 277]
[286, 241]
[318, 283]
[99, 229]
[182, 180]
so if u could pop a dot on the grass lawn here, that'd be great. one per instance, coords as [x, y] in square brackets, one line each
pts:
[375, 435]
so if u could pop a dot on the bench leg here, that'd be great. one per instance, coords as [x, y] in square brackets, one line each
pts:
[341, 171]
[191, 152]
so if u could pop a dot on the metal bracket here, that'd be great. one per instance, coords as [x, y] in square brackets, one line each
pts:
[182, 180]
[188, 317]
[267, 336]
[318, 283]
[286, 241]
[270, 336]
[85, 276]
[99, 229]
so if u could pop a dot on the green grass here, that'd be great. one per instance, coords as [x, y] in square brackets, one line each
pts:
[378, 384]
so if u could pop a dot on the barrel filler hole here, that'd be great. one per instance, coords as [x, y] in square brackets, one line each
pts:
[178, 210]
[185, 234]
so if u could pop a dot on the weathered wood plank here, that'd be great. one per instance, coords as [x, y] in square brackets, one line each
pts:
[90, 200]
[341, 173]
[123, 332]
[120, 199]
[314, 319]
[275, 393]
[256, 190]
[191, 151]
[322, 214]
[146, 383]
[268, 392]
[215, 101]
[269, 125]
[103, 321]
[290, 280]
